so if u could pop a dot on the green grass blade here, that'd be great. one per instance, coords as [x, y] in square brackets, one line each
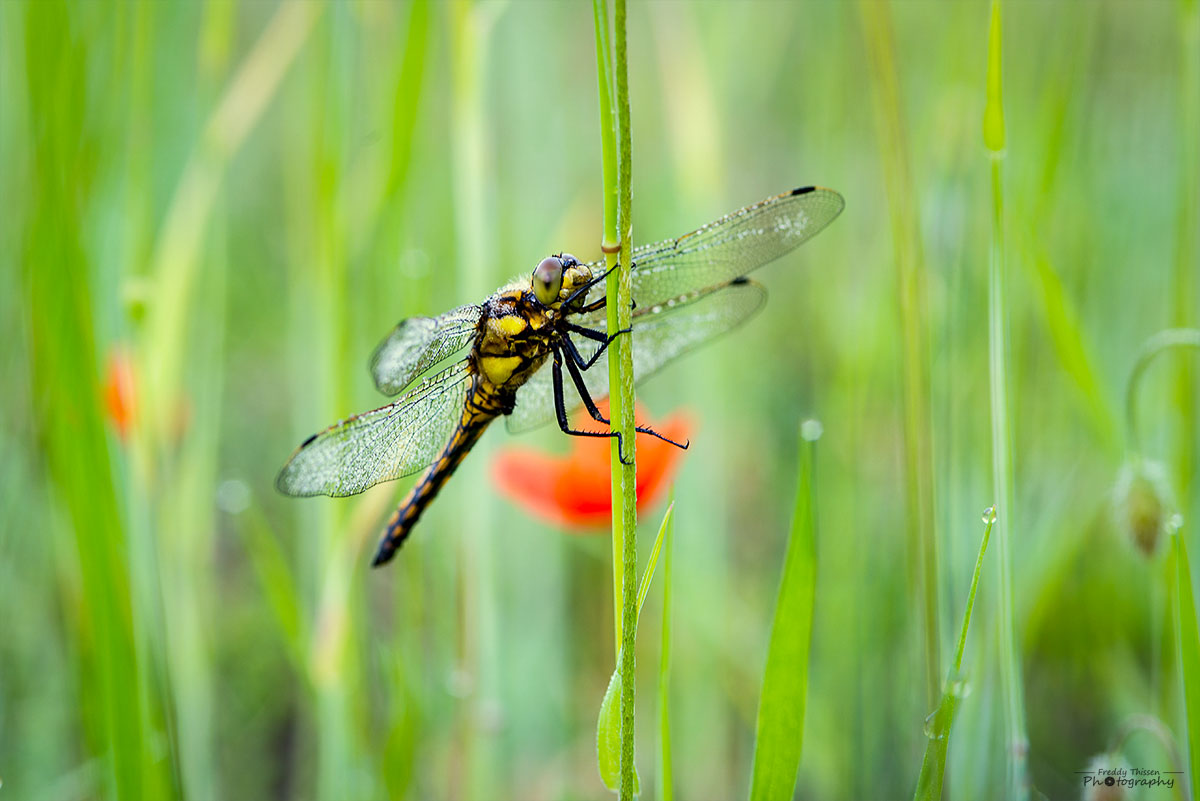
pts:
[1188, 635]
[1187, 249]
[937, 725]
[663, 528]
[780, 729]
[1074, 351]
[1001, 427]
[664, 778]
[608, 723]
[278, 584]
[910, 272]
[117, 688]
[619, 291]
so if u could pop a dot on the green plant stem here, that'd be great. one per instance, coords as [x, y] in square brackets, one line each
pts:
[608, 163]
[1152, 347]
[1187, 251]
[620, 382]
[1188, 634]
[1002, 465]
[937, 727]
[962, 637]
[910, 288]
[470, 39]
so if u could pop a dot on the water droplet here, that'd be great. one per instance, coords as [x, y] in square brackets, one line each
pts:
[811, 430]
[959, 688]
[1174, 522]
[933, 725]
[989, 514]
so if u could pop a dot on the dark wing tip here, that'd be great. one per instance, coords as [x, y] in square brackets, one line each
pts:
[807, 190]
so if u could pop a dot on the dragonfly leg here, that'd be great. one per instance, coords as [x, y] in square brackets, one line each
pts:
[590, 405]
[601, 303]
[560, 407]
[584, 289]
[595, 336]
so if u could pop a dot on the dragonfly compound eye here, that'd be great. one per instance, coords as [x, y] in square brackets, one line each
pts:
[547, 280]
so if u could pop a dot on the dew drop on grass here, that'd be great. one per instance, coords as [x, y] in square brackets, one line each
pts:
[934, 729]
[989, 514]
[811, 430]
[1174, 523]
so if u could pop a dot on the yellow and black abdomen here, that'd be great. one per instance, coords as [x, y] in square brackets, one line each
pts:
[472, 425]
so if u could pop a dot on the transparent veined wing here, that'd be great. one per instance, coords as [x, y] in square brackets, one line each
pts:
[418, 343]
[731, 246]
[380, 445]
[660, 334]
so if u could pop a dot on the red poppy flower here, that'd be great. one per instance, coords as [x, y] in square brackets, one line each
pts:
[573, 491]
[119, 396]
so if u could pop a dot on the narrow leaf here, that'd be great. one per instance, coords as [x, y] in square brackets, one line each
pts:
[608, 725]
[1189, 650]
[780, 730]
[608, 737]
[937, 725]
[666, 791]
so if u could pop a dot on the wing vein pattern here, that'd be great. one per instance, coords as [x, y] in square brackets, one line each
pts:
[732, 246]
[690, 290]
[383, 444]
[418, 343]
[660, 334]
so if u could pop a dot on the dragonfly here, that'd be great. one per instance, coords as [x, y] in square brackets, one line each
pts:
[522, 344]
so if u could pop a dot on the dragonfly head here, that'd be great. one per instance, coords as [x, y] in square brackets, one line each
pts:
[548, 277]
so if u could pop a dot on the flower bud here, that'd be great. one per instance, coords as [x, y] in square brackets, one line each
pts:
[1103, 780]
[1143, 503]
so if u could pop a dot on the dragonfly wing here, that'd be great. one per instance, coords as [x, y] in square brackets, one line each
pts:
[733, 245]
[418, 343]
[386, 443]
[661, 333]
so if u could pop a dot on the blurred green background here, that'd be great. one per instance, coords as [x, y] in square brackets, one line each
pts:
[234, 203]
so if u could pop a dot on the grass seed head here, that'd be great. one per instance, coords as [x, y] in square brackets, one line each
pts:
[1145, 510]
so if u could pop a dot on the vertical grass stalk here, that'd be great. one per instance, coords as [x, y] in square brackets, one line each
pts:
[610, 244]
[910, 287]
[620, 382]
[1002, 466]
[1188, 635]
[470, 32]
[618, 230]
[1187, 253]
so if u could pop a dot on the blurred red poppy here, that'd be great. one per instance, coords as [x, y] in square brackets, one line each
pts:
[573, 491]
[119, 400]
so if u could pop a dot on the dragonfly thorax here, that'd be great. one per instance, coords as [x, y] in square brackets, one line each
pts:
[516, 336]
